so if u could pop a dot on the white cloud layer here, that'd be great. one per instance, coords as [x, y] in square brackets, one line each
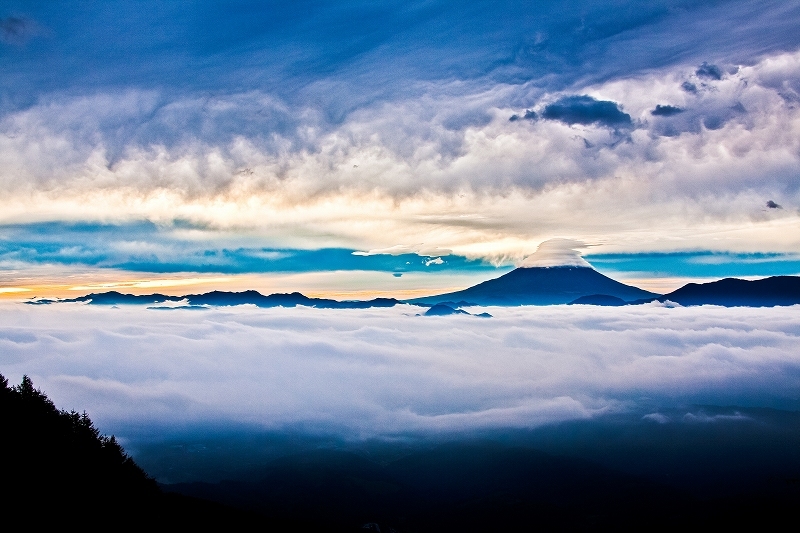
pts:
[386, 372]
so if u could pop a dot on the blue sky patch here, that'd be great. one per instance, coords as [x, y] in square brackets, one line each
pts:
[699, 264]
[145, 247]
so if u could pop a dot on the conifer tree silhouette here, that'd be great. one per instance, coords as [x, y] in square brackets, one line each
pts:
[60, 460]
[58, 470]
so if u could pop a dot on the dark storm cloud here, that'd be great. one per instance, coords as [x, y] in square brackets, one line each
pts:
[717, 118]
[665, 110]
[714, 122]
[713, 106]
[528, 115]
[708, 72]
[772, 205]
[586, 110]
[689, 87]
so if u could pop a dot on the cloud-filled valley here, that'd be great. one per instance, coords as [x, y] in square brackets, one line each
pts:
[386, 373]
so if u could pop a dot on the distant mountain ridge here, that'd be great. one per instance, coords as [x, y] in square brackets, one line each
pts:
[522, 286]
[542, 286]
[224, 298]
[734, 292]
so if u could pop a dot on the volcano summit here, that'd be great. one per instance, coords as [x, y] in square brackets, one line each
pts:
[542, 286]
[555, 274]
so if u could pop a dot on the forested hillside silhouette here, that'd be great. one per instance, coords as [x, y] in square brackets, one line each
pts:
[59, 469]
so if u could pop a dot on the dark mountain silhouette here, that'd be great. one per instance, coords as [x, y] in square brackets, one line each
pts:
[220, 298]
[733, 292]
[542, 286]
[443, 310]
[224, 298]
[458, 304]
[116, 298]
[59, 470]
[522, 286]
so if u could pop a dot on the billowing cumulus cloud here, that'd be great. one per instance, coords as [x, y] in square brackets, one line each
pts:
[304, 129]
[665, 110]
[396, 173]
[709, 72]
[388, 372]
[586, 110]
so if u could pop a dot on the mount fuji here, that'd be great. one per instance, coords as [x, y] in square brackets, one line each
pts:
[545, 285]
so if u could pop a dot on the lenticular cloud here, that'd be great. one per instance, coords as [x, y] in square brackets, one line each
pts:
[389, 372]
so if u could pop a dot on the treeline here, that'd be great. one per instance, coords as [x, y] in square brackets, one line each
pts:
[58, 469]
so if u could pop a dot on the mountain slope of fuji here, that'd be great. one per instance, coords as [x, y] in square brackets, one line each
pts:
[541, 286]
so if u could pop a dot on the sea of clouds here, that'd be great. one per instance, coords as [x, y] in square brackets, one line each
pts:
[388, 373]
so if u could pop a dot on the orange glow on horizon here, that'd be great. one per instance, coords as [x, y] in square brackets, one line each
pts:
[334, 285]
[338, 285]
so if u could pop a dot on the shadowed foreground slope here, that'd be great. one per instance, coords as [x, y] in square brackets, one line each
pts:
[59, 470]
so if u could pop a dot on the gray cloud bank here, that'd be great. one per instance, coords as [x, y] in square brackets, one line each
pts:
[445, 139]
[295, 85]
[387, 373]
